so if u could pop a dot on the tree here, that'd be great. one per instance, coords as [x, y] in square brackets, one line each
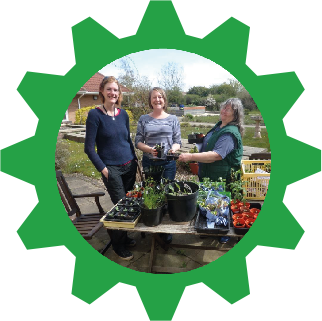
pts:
[171, 77]
[199, 90]
[138, 85]
[175, 96]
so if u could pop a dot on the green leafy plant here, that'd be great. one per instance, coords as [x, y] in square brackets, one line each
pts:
[153, 194]
[236, 186]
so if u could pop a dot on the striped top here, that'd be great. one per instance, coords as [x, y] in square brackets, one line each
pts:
[152, 131]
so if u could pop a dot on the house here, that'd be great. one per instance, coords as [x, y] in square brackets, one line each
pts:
[88, 95]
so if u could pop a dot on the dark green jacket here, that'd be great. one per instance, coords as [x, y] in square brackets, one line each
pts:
[223, 167]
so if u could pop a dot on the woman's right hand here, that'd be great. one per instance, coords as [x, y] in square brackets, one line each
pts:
[153, 152]
[105, 172]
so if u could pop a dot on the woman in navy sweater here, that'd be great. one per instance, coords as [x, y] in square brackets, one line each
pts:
[108, 126]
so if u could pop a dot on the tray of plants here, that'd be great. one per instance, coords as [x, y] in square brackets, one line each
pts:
[196, 138]
[213, 214]
[172, 156]
[244, 217]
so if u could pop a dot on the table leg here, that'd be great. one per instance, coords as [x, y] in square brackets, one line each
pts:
[151, 254]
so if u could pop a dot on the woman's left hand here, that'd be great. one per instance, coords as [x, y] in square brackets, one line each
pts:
[185, 157]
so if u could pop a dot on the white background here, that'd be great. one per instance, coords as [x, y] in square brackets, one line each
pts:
[36, 36]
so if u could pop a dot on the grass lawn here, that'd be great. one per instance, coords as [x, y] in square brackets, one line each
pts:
[215, 119]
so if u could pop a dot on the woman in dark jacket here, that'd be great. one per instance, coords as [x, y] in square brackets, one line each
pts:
[108, 127]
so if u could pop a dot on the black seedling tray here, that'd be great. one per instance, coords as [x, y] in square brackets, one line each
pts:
[244, 230]
[201, 225]
[195, 140]
[174, 156]
[130, 202]
[117, 216]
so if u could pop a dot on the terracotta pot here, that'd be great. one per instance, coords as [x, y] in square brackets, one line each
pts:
[244, 209]
[255, 216]
[242, 204]
[249, 222]
[237, 216]
[234, 209]
[200, 135]
[194, 168]
[254, 210]
[247, 216]
[233, 203]
[239, 221]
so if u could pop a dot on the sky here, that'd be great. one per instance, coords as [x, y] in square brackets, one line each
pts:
[197, 70]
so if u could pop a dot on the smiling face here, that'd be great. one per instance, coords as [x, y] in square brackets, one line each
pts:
[227, 114]
[111, 93]
[157, 100]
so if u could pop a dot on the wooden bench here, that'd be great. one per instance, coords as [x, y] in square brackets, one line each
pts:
[86, 224]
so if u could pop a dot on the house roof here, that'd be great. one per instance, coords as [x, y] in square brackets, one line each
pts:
[92, 84]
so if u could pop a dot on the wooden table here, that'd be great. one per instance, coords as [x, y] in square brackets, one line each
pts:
[169, 226]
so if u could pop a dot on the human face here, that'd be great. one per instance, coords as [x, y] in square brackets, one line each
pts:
[111, 93]
[157, 100]
[227, 114]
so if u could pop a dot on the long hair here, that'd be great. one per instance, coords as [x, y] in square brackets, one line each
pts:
[238, 109]
[106, 80]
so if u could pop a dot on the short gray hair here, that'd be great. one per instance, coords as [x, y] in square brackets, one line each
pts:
[238, 109]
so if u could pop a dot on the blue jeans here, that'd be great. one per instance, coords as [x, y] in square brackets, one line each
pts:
[169, 166]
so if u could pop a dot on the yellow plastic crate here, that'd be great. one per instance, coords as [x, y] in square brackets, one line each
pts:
[256, 184]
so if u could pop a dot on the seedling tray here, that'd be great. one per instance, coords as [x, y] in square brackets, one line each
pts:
[244, 230]
[129, 220]
[195, 140]
[174, 156]
[201, 226]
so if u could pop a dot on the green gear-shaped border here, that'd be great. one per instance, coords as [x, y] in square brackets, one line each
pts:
[34, 89]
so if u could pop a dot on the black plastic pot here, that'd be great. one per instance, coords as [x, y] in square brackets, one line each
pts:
[155, 172]
[182, 208]
[152, 217]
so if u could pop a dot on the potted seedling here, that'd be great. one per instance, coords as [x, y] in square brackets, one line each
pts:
[153, 203]
[194, 167]
[182, 200]
[236, 187]
[249, 222]
[239, 223]
[160, 150]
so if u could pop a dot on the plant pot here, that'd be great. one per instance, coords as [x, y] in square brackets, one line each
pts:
[247, 215]
[244, 209]
[235, 203]
[249, 222]
[200, 135]
[239, 221]
[192, 136]
[255, 216]
[152, 217]
[237, 216]
[154, 172]
[245, 205]
[182, 208]
[234, 209]
[254, 211]
[194, 167]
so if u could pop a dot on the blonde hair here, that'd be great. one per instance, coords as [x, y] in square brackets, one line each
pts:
[163, 94]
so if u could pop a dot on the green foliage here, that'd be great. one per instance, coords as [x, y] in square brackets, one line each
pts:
[199, 90]
[236, 186]
[153, 194]
[81, 115]
[184, 124]
[175, 96]
[189, 117]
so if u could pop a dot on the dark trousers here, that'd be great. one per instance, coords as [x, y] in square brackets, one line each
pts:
[120, 180]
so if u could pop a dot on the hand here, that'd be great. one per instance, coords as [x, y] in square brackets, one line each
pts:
[153, 152]
[185, 157]
[105, 172]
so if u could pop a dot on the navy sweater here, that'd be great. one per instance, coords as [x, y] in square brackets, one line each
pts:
[112, 138]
